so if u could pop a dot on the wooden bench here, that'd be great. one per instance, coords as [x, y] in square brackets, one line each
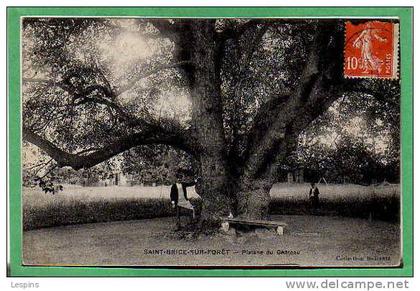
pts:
[278, 225]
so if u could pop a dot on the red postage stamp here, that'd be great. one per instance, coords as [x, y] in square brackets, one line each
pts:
[371, 50]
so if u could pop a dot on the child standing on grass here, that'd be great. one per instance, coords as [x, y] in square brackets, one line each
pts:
[179, 199]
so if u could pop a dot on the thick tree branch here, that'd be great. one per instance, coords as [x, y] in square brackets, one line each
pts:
[79, 161]
[278, 125]
[152, 131]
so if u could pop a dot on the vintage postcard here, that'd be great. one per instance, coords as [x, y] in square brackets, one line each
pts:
[211, 142]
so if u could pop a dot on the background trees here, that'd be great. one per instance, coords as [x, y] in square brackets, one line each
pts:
[356, 141]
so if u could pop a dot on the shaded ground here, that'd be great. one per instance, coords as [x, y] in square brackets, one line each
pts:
[308, 241]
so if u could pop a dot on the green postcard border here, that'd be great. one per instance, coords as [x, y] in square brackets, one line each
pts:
[14, 14]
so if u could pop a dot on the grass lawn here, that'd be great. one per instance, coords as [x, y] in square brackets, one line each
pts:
[78, 204]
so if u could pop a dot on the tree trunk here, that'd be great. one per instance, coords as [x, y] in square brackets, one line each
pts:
[221, 192]
[207, 121]
[253, 198]
[214, 194]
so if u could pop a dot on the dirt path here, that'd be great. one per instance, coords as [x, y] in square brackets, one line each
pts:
[308, 241]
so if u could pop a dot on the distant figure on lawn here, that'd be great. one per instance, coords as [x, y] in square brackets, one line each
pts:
[179, 199]
[314, 196]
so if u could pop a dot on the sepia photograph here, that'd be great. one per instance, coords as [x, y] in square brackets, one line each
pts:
[211, 142]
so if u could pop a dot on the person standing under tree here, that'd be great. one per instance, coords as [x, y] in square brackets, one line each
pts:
[179, 199]
[314, 196]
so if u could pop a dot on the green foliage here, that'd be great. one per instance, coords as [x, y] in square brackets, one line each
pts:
[69, 66]
[159, 163]
[356, 141]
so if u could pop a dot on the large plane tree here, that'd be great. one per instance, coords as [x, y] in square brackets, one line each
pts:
[232, 94]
